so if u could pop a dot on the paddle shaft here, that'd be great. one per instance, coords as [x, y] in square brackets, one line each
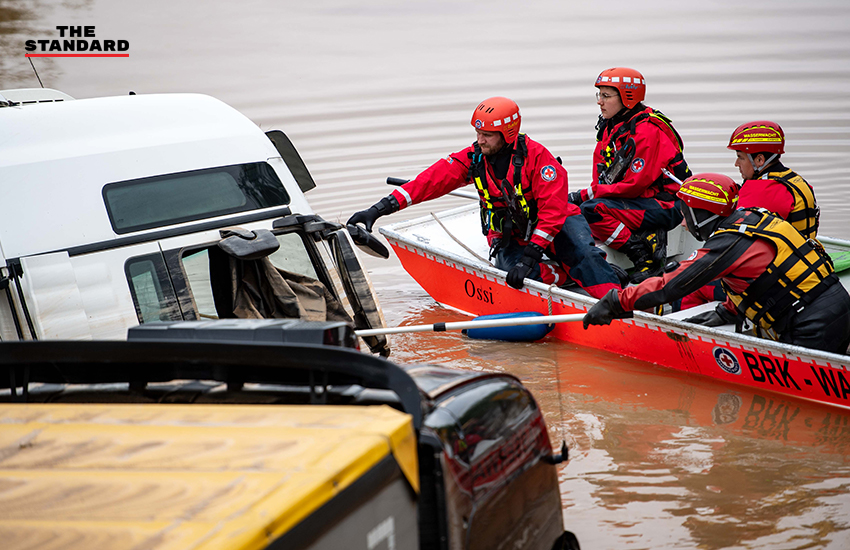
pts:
[462, 325]
[670, 175]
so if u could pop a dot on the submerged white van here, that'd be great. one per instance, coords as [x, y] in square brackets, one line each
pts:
[114, 212]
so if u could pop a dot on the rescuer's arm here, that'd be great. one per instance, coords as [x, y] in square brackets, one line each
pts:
[440, 178]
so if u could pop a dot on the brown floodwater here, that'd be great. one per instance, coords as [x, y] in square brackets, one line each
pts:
[371, 89]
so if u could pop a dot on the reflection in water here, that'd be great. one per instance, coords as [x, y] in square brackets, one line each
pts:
[660, 459]
[696, 463]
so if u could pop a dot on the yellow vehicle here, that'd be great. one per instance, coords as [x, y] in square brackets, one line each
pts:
[249, 434]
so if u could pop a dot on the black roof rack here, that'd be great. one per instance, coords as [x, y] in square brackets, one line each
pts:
[235, 352]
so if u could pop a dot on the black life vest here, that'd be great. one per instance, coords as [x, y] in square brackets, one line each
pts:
[799, 273]
[511, 208]
[677, 164]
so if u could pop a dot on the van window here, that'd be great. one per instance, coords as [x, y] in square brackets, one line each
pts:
[151, 289]
[157, 201]
[292, 256]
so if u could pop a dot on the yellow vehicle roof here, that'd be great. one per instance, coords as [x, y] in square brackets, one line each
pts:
[182, 476]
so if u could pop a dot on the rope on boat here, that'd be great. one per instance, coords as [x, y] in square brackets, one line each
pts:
[455, 239]
[553, 285]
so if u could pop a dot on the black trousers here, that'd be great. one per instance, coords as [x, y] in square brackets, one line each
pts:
[824, 324]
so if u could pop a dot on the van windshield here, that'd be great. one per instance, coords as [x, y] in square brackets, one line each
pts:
[158, 201]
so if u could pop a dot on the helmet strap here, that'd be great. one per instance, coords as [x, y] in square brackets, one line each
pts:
[757, 171]
[697, 225]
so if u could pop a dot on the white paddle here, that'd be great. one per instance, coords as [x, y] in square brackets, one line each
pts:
[463, 325]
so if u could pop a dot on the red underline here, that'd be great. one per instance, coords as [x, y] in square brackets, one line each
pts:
[78, 55]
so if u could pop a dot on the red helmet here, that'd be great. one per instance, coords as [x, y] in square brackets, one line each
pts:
[713, 192]
[630, 83]
[760, 136]
[498, 114]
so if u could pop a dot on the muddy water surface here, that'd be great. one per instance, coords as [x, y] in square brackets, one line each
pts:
[372, 89]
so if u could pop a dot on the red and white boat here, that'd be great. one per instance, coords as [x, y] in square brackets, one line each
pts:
[446, 254]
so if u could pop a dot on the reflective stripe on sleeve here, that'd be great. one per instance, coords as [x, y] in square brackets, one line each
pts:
[549, 238]
[408, 200]
[614, 234]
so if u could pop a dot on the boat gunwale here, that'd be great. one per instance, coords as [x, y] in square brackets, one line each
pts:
[394, 232]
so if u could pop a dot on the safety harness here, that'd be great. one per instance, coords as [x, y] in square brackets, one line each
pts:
[677, 164]
[510, 209]
[800, 272]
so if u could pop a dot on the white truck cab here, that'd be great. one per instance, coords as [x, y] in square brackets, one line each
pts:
[112, 209]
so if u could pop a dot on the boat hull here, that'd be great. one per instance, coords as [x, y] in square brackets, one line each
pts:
[469, 285]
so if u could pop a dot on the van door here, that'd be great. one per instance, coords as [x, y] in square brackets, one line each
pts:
[200, 272]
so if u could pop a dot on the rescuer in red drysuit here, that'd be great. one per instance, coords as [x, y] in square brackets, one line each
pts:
[767, 184]
[631, 208]
[524, 211]
[772, 276]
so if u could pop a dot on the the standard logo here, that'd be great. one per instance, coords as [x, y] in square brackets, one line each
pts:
[548, 173]
[637, 165]
[726, 360]
[76, 41]
[478, 123]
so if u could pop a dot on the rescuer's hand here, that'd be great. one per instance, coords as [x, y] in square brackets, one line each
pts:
[531, 256]
[366, 217]
[575, 198]
[387, 205]
[718, 317]
[604, 311]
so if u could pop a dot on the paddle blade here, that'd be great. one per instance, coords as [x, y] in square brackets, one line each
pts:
[522, 333]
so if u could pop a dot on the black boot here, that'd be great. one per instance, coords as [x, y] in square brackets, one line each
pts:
[648, 251]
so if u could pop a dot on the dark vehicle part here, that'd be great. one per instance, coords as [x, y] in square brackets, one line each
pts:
[248, 245]
[500, 488]
[484, 456]
[292, 159]
[367, 242]
[359, 292]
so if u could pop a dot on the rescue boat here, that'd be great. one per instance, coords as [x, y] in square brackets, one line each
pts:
[447, 255]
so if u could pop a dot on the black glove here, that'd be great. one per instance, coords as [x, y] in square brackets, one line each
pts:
[718, 317]
[604, 311]
[574, 197]
[531, 256]
[387, 205]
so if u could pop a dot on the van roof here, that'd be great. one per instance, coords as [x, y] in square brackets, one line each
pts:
[55, 158]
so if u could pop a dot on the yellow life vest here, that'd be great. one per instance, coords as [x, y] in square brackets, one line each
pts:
[512, 204]
[805, 216]
[798, 274]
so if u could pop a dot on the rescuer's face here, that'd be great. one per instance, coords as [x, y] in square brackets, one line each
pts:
[490, 142]
[744, 166]
[608, 99]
